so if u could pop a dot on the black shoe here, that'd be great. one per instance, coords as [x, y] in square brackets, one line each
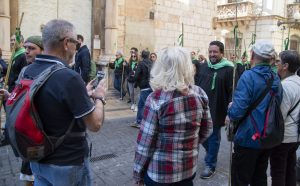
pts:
[3, 140]
[129, 101]
[207, 173]
[135, 125]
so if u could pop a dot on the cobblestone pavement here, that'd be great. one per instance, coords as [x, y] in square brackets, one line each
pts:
[113, 152]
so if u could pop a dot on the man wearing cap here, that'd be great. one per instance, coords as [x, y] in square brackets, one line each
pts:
[249, 160]
[33, 46]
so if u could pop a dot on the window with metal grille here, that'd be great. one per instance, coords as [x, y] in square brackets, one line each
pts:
[230, 43]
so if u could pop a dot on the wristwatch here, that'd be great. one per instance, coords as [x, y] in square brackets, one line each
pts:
[102, 99]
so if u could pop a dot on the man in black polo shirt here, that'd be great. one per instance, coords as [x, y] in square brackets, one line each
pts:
[63, 98]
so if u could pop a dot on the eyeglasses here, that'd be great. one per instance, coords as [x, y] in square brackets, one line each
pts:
[133, 56]
[152, 56]
[71, 40]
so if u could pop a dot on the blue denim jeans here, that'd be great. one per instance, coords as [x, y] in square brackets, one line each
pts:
[212, 145]
[118, 85]
[143, 96]
[49, 174]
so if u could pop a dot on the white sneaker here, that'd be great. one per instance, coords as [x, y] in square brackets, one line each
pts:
[132, 107]
[135, 109]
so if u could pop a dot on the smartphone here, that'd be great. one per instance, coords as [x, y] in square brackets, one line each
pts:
[100, 75]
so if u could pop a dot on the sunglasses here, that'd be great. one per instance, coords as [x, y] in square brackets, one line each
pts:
[71, 40]
[133, 56]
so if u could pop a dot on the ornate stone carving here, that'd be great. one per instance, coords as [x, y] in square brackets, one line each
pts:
[244, 9]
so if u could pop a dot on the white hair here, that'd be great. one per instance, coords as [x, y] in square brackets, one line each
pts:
[172, 70]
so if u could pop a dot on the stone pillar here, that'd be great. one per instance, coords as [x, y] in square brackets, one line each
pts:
[5, 28]
[111, 36]
[111, 30]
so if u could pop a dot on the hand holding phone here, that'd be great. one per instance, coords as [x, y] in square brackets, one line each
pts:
[100, 75]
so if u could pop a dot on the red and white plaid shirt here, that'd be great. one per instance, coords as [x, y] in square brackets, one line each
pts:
[172, 128]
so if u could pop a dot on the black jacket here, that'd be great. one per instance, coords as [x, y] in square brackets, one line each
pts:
[220, 97]
[3, 67]
[119, 70]
[131, 73]
[197, 65]
[83, 63]
[16, 68]
[142, 74]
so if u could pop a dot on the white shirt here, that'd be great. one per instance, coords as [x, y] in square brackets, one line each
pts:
[291, 95]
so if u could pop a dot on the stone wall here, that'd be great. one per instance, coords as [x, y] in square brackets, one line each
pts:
[39, 12]
[137, 29]
[196, 17]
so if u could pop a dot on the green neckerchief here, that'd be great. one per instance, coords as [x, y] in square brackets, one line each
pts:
[133, 63]
[221, 64]
[118, 62]
[19, 52]
[275, 69]
[263, 64]
[239, 62]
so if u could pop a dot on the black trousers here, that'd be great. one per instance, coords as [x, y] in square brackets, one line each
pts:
[283, 164]
[249, 166]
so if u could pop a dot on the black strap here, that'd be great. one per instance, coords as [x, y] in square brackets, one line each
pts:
[257, 102]
[290, 111]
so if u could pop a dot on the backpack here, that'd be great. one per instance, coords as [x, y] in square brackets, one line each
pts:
[23, 124]
[93, 71]
[273, 131]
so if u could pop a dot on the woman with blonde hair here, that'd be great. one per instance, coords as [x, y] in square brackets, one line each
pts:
[176, 120]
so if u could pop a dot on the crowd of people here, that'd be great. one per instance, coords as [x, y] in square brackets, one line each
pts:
[181, 101]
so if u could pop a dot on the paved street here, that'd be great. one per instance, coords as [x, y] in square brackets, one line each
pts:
[113, 152]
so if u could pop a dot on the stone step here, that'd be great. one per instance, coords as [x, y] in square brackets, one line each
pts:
[114, 94]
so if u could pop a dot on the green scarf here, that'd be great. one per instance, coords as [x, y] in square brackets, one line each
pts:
[263, 64]
[221, 64]
[19, 52]
[275, 69]
[118, 62]
[133, 63]
[239, 62]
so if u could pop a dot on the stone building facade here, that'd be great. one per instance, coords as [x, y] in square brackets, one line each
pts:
[155, 24]
[38, 12]
[109, 25]
[266, 19]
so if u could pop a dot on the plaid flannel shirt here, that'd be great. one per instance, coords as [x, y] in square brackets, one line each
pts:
[172, 128]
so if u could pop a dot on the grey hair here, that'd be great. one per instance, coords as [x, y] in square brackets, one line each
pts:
[54, 31]
[172, 70]
[119, 52]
